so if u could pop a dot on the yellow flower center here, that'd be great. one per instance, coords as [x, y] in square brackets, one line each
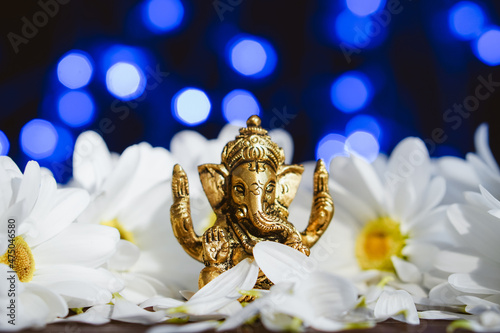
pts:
[20, 259]
[379, 240]
[212, 217]
[124, 233]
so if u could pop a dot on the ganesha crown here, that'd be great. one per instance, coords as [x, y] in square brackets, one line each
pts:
[252, 144]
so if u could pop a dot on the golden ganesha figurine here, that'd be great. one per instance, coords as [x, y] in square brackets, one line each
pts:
[250, 192]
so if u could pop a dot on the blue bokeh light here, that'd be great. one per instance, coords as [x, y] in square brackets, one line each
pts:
[191, 106]
[466, 20]
[351, 92]
[364, 7]
[363, 123]
[38, 139]
[363, 144]
[330, 146]
[361, 32]
[76, 108]
[163, 15]
[4, 144]
[75, 69]
[64, 146]
[252, 56]
[125, 81]
[487, 47]
[124, 53]
[238, 105]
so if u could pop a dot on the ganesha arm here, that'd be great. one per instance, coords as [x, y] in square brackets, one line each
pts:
[180, 215]
[322, 207]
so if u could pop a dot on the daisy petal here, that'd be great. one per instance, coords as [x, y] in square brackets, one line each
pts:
[128, 312]
[477, 228]
[96, 315]
[80, 294]
[487, 177]
[493, 202]
[279, 262]
[397, 304]
[125, 257]
[54, 274]
[369, 191]
[455, 262]
[68, 204]
[475, 283]
[55, 303]
[91, 161]
[30, 185]
[224, 288]
[140, 287]
[159, 302]
[187, 328]
[284, 140]
[434, 195]
[187, 138]
[445, 294]
[476, 199]
[347, 200]
[149, 172]
[458, 171]
[442, 315]
[330, 295]
[33, 314]
[410, 162]
[476, 305]
[279, 322]
[483, 148]
[238, 319]
[328, 325]
[79, 244]
[406, 271]
[419, 253]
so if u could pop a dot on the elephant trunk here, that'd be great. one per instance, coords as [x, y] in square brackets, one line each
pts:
[267, 223]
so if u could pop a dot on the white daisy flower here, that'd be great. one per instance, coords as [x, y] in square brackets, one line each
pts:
[388, 219]
[51, 262]
[131, 193]
[474, 264]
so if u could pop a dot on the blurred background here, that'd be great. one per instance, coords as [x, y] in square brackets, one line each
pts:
[346, 76]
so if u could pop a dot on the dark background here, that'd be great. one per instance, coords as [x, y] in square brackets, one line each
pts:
[419, 70]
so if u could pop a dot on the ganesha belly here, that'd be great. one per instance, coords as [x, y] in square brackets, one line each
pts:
[250, 192]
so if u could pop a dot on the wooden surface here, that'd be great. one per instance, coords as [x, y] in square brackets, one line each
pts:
[389, 326]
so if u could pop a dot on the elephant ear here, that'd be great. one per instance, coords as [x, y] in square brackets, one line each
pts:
[213, 178]
[289, 177]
